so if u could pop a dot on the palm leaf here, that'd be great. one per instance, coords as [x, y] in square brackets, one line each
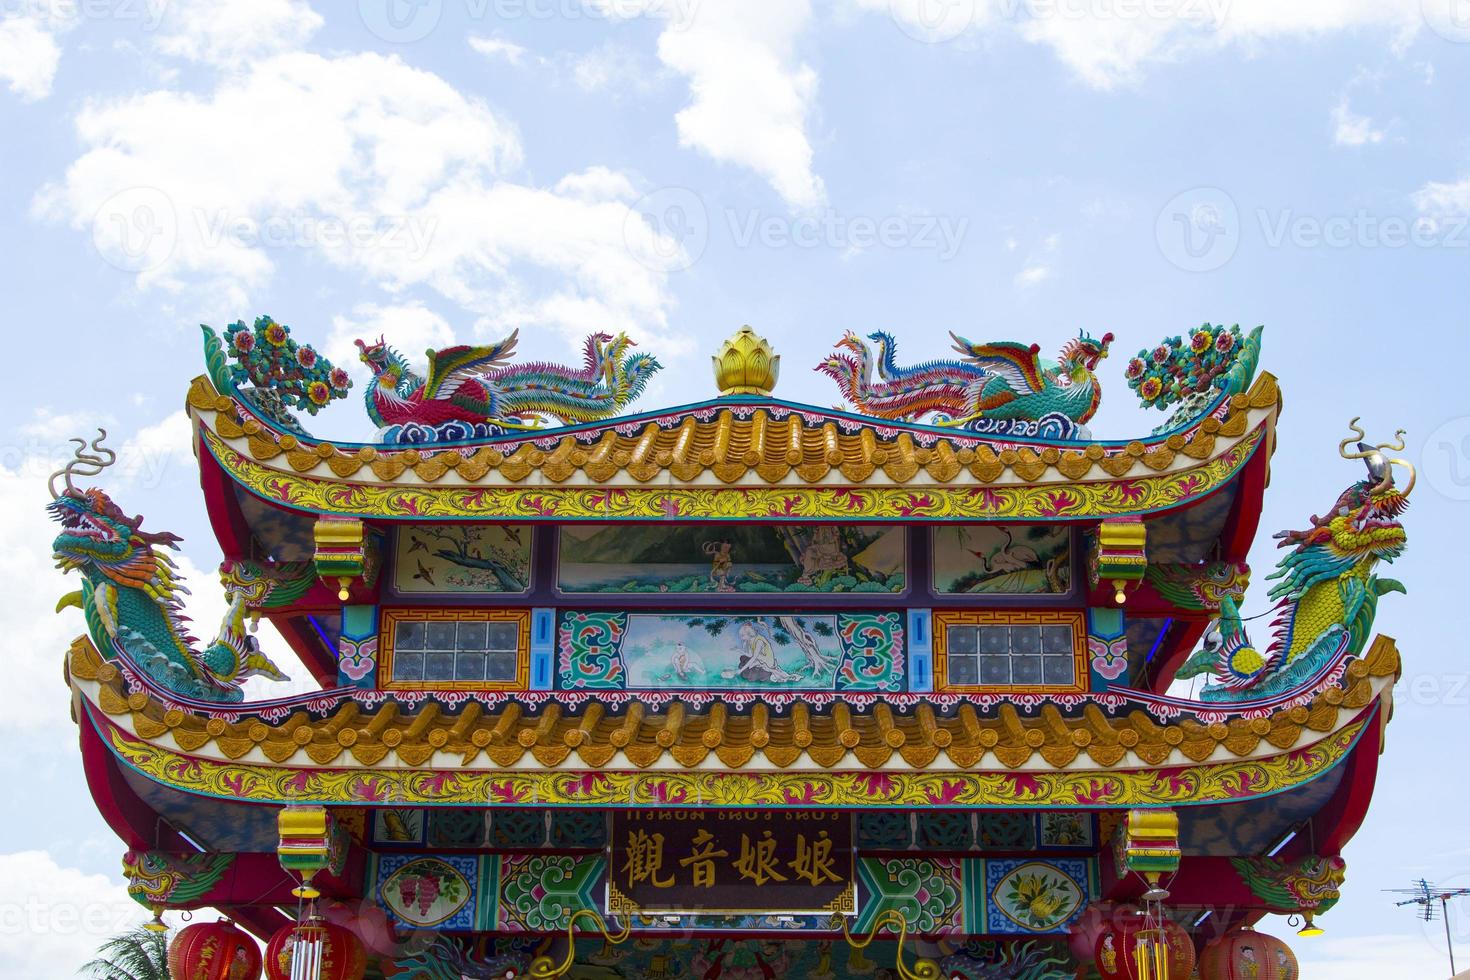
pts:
[136, 955]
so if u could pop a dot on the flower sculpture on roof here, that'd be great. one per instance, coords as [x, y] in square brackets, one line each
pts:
[271, 372]
[1187, 374]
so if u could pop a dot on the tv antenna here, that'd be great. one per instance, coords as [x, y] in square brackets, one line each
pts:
[1427, 896]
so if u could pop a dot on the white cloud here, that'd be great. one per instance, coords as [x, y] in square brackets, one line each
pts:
[158, 454]
[1110, 44]
[1038, 267]
[1033, 275]
[596, 183]
[380, 168]
[29, 55]
[495, 47]
[46, 425]
[1439, 199]
[750, 94]
[53, 918]
[228, 33]
[1351, 129]
[616, 69]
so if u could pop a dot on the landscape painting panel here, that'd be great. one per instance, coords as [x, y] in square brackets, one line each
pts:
[463, 559]
[692, 559]
[1003, 559]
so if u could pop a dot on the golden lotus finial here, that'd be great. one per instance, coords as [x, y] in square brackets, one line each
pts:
[746, 365]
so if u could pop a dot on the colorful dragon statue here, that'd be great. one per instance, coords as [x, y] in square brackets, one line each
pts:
[131, 590]
[998, 388]
[1327, 593]
[473, 391]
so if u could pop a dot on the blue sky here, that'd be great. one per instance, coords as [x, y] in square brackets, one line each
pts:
[1003, 169]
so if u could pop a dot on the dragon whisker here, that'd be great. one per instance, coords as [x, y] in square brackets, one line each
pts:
[82, 463]
[1358, 436]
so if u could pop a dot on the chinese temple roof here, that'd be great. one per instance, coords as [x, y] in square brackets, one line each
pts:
[711, 460]
[396, 742]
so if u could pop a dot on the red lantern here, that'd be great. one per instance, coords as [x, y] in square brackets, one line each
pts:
[342, 955]
[1244, 953]
[213, 951]
[1117, 951]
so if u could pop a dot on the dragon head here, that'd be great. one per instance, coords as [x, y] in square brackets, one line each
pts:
[95, 533]
[1363, 523]
[1083, 353]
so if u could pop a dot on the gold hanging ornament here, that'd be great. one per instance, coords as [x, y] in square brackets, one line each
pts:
[544, 967]
[923, 969]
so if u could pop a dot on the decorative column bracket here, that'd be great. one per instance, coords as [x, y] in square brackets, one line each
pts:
[343, 553]
[1151, 847]
[1119, 554]
[311, 841]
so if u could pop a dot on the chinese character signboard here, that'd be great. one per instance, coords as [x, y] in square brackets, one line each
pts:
[731, 861]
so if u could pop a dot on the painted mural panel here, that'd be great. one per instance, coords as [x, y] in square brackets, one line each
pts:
[463, 559]
[698, 559]
[718, 651]
[1002, 559]
[429, 891]
[1034, 896]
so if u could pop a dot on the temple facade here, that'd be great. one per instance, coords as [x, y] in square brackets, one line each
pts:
[743, 688]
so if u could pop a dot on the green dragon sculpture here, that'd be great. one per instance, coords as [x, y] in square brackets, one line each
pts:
[131, 590]
[1327, 593]
[158, 880]
[1309, 884]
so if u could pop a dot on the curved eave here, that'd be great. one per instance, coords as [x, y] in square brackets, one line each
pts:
[737, 461]
[378, 750]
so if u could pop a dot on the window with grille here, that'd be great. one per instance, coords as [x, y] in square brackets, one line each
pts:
[469, 649]
[1033, 650]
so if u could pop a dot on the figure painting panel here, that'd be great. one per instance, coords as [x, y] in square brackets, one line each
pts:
[715, 652]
